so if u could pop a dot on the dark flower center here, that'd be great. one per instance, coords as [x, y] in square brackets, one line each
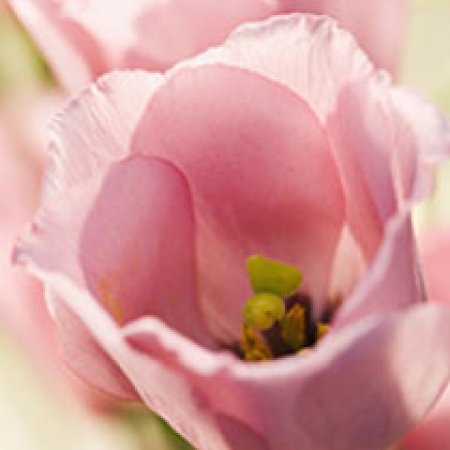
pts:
[278, 320]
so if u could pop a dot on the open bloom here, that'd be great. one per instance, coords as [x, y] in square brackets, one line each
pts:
[85, 38]
[283, 143]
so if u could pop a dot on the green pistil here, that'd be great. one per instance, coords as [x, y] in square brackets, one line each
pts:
[269, 330]
[267, 275]
[263, 310]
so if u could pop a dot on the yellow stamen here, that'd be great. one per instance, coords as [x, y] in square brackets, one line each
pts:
[253, 345]
[321, 330]
[293, 328]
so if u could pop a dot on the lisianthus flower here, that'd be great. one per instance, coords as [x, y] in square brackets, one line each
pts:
[83, 39]
[22, 307]
[433, 432]
[231, 243]
[24, 317]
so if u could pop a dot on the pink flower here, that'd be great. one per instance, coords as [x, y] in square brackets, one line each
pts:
[24, 317]
[22, 307]
[83, 39]
[284, 143]
[434, 431]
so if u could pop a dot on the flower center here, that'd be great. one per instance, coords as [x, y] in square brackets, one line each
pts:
[278, 319]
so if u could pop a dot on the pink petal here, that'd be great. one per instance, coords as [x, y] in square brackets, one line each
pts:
[380, 289]
[85, 357]
[263, 180]
[434, 432]
[164, 391]
[382, 371]
[435, 256]
[130, 242]
[422, 140]
[402, 136]
[75, 36]
[93, 131]
[137, 246]
[379, 27]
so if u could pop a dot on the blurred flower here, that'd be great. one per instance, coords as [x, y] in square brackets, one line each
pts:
[434, 431]
[85, 38]
[34, 417]
[284, 143]
[22, 154]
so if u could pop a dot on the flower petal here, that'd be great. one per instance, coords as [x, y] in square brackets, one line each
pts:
[435, 255]
[84, 356]
[433, 432]
[262, 177]
[378, 26]
[400, 134]
[313, 388]
[75, 36]
[137, 246]
[380, 290]
[131, 244]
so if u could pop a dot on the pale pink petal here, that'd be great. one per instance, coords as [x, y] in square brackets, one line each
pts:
[173, 30]
[435, 256]
[380, 290]
[85, 357]
[379, 27]
[434, 431]
[358, 106]
[324, 66]
[93, 131]
[76, 35]
[137, 246]
[213, 399]
[262, 176]
[95, 128]
[162, 389]
[129, 238]
[331, 398]
[422, 139]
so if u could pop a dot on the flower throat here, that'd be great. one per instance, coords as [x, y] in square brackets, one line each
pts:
[278, 319]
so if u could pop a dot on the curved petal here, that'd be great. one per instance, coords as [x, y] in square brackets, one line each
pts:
[84, 356]
[93, 131]
[380, 290]
[378, 26]
[212, 399]
[358, 106]
[75, 36]
[435, 256]
[262, 177]
[162, 389]
[313, 388]
[95, 128]
[130, 242]
[433, 432]
[174, 30]
[137, 246]
[422, 138]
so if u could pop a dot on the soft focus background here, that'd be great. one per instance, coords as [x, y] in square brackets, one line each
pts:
[41, 405]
